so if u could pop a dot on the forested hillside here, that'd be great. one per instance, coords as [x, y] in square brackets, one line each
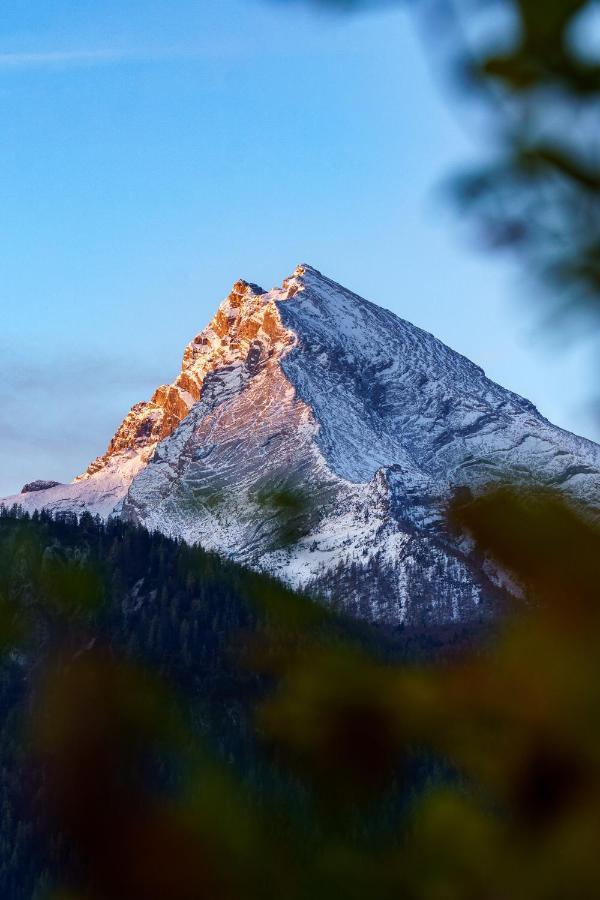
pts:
[76, 593]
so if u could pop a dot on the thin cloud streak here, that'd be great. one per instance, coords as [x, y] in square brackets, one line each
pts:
[215, 50]
[62, 58]
[105, 57]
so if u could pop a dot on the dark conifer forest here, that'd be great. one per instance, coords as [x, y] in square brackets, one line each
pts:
[203, 629]
[176, 727]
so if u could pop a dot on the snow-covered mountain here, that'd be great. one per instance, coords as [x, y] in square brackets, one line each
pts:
[317, 436]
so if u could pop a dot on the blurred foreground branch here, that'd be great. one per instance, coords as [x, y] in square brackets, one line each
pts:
[305, 757]
[533, 69]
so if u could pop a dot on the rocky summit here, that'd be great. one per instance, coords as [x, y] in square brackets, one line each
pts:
[316, 436]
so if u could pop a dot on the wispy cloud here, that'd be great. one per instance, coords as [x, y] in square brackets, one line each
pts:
[59, 412]
[58, 58]
[37, 374]
[219, 49]
[112, 56]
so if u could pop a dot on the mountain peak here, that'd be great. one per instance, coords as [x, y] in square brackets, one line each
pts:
[242, 288]
[300, 278]
[306, 269]
[332, 397]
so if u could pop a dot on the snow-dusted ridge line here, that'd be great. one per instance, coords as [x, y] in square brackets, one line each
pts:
[309, 389]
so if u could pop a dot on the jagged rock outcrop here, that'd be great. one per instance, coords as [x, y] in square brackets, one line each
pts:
[149, 422]
[314, 435]
[39, 485]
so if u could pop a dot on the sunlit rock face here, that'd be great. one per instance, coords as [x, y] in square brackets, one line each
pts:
[148, 423]
[317, 436]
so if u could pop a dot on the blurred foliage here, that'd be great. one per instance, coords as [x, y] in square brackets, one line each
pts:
[230, 739]
[540, 192]
[534, 69]
[288, 508]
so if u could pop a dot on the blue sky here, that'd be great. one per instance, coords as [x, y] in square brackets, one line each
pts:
[153, 152]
